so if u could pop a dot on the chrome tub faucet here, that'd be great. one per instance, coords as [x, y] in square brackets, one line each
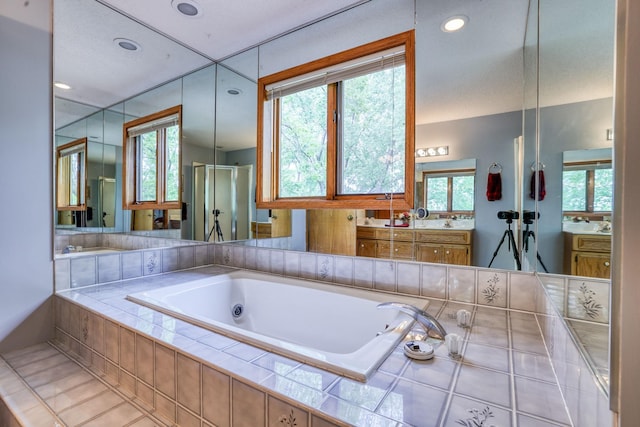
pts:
[432, 327]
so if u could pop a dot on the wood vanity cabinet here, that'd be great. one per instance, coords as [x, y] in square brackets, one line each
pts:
[426, 245]
[444, 246]
[587, 255]
[443, 254]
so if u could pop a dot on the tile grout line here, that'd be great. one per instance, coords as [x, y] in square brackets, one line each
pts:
[553, 369]
[456, 372]
[512, 379]
[33, 393]
[109, 386]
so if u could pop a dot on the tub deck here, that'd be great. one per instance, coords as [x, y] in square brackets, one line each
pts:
[172, 366]
[328, 326]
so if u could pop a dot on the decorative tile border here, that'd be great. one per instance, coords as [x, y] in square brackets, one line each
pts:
[471, 285]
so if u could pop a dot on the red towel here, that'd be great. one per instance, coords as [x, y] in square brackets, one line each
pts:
[542, 191]
[494, 187]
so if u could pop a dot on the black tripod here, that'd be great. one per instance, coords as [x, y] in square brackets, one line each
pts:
[216, 226]
[509, 216]
[525, 236]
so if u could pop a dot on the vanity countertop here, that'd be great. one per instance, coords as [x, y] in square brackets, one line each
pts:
[592, 228]
[429, 224]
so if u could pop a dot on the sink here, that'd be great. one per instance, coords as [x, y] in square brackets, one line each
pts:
[593, 227]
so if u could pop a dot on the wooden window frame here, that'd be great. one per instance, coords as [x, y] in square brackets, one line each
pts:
[267, 168]
[449, 174]
[130, 166]
[82, 183]
[590, 189]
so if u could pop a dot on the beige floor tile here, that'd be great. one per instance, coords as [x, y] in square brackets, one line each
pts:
[118, 416]
[28, 354]
[40, 365]
[48, 390]
[54, 374]
[89, 409]
[61, 401]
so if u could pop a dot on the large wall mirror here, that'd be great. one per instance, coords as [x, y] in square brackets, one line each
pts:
[512, 132]
[575, 88]
[469, 108]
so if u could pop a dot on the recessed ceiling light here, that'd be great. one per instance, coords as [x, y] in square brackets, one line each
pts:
[234, 91]
[187, 8]
[61, 85]
[127, 44]
[454, 23]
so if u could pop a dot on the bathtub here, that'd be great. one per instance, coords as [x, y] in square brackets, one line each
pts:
[331, 327]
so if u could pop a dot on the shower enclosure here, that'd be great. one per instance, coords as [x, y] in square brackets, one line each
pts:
[222, 202]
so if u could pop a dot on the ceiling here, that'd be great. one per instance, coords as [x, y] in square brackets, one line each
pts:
[475, 72]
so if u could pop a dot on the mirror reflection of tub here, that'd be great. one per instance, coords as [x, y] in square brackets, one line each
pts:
[334, 328]
[76, 251]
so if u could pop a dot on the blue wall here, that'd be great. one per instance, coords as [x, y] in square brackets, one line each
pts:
[26, 251]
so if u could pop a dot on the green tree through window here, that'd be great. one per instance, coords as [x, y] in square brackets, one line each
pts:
[152, 155]
[373, 129]
[339, 131]
[587, 188]
[303, 143]
[450, 191]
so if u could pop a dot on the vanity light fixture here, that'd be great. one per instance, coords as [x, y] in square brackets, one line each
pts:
[127, 44]
[442, 150]
[187, 8]
[454, 23]
[61, 85]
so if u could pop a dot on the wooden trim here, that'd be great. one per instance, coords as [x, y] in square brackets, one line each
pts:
[338, 203]
[332, 141]
[403, 39]
[129, 164]
[451, 172]
[588, 163]
[332, 200]
[410, 117]
[589, 189]
[275, 155]
[261, 98]
[82, 186]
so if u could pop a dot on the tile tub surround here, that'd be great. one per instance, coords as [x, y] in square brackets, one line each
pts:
[139, 256]
[191, 376]
[115, 240]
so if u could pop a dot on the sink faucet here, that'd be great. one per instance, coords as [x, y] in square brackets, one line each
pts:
[432, 327]
[68, 249]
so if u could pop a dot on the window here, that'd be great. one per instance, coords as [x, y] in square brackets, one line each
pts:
[587, 187]
[151, 169]
[449, 191]
[71, 165]
[338, 132]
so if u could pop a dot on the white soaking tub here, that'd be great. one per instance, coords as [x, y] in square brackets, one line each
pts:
[332, 327]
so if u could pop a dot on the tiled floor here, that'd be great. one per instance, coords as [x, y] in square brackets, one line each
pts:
[77, 397]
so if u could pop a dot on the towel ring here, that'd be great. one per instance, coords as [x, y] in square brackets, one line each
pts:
[541, 166]
[495, 168]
